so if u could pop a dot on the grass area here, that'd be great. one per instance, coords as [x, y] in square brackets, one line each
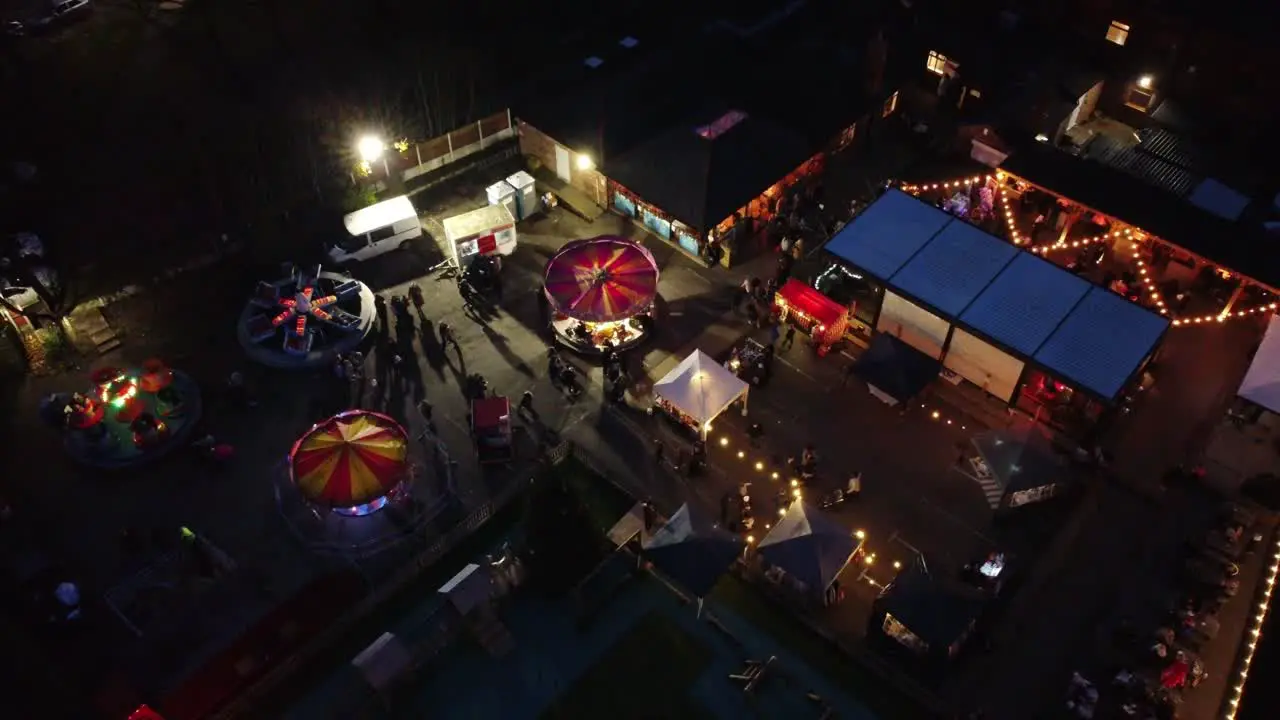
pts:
[646, 674]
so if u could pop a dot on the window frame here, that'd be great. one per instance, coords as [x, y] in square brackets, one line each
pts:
[936, 63]
[1118, 33]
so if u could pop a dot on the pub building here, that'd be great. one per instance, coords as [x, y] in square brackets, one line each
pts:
[1000, 320]
[722, 175]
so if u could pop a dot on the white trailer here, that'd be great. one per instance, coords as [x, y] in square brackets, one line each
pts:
[490, 230]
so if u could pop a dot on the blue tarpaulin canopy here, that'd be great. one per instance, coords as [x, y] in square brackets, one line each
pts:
[938, 615]
[809, 545]
[896, 369]
[692, 551]
[1021, 303]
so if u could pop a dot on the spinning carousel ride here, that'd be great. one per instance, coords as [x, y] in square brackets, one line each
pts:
[128, 416]
[352, 464]
[601, 292]
[306, 319]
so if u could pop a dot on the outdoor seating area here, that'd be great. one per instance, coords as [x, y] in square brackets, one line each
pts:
[1107, 250]
[1155, 669]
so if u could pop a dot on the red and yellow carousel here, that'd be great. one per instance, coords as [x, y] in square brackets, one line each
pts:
[353, 463]
[601, 291]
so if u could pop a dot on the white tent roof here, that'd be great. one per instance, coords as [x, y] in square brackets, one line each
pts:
[700, 387]
[1261, 384]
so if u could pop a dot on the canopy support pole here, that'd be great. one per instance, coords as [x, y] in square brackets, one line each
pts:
[745, 394]
[699, 613]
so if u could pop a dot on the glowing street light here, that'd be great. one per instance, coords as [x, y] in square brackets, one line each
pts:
[1145, 81]
[372, 148]
[585, 162]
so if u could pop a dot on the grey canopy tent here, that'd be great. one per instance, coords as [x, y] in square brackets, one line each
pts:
[692, 551]
[809, 545]
[1023, 462]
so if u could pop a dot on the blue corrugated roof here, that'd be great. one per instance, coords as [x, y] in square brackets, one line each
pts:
[885, 236]
[1214, 197]
[1102, 342]
[955, 267]
[1025, 303]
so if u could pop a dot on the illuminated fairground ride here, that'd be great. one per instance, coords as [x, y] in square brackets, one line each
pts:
[601, 291]
[1141, 249]
[306, 319]
[127, 417]
[343, 470]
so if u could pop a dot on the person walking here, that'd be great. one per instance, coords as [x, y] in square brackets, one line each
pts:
[775, 332]
[790, 338]
[526, 405]
[447, 338]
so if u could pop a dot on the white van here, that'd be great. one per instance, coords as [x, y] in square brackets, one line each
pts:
[379, 228]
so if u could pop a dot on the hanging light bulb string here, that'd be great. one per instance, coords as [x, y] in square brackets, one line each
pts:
[1236, 691]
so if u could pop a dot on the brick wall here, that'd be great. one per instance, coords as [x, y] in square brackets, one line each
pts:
[537, 144]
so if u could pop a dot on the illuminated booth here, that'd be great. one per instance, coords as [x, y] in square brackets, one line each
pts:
[601, 292]
[923, 618]
[697, 391]
[811, 312]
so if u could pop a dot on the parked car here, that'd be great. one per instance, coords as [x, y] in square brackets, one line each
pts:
[377, 229]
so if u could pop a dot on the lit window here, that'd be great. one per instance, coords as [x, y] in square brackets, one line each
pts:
[890, 105]
[1118, 33]
[1140, 98]
[937, 63]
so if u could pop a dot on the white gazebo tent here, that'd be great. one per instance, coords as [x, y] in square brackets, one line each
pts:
[702, 388]
[1261, 385]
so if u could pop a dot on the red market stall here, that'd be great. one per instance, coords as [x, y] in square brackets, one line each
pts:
[824, 319]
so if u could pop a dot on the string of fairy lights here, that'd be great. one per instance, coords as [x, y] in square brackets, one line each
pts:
[1135, 238]
[867, 558]
[1236, 692]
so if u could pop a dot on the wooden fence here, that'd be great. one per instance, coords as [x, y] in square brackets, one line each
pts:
[423, 157]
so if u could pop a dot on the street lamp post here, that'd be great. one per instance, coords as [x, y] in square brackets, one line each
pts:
[372, 148]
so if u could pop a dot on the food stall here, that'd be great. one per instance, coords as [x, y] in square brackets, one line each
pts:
[811, 312]
[491, 430]
[924, 616]
[697, 390]
[490, 230]
[352, 464]
[601, 292]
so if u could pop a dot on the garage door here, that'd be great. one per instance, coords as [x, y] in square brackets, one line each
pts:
[983, 364]
[913, 325]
